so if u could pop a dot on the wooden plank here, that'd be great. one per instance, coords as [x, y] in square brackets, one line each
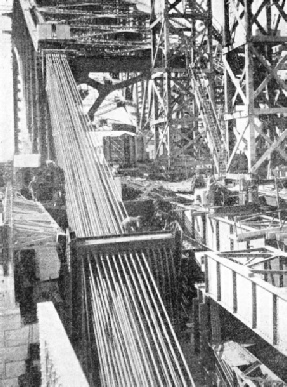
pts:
[275, 320]
[268, 39]
[247, 236]
[254, 306]
[245, 255]
[276, 110]
[218, 274]
[234, 285]
[252, 367]
[234, 210]
[126, 242]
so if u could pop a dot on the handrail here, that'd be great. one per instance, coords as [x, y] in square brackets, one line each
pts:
[245, 271]
[258, 304]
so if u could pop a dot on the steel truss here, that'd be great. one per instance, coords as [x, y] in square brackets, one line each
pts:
[110, 36]
[183, 35]
[28, 66]
[254, 60]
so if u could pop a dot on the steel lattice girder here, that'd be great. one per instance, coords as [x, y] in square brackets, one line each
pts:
[182, 33]
[255, 91]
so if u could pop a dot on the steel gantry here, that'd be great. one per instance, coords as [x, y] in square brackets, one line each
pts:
[185, 81]
[123, 308]
[254, 60]
[106, 37]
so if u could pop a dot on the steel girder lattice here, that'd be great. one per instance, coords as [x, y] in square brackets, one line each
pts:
[183, 35]
[254, 60]
[109, 37]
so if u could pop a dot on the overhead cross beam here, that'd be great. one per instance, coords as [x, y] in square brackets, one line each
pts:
[105, 90]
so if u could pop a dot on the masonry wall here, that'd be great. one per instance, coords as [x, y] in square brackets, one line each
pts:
[14, 345]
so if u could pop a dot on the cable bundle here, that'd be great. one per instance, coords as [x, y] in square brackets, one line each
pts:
[123, 311]
[93, 204]
[137, 344]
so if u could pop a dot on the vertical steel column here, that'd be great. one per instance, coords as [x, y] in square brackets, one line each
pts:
[167, 83]
[249, 68]
[153, 100]
[182, 36]
[226, 40]
[210, 50]
[255, 90]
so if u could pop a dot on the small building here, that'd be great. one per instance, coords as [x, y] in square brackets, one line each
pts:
[119, 147]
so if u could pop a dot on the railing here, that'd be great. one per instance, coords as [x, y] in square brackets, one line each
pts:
[59, 364]
[259, 305]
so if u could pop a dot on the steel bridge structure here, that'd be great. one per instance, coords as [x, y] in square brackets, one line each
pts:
[199, 88]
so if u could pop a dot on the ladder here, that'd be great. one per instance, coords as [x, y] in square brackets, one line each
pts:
[210, 121]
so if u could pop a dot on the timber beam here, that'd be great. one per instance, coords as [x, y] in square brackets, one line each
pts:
[249, 208]
[105, 90]
[126, 242]
[83, 65]
[247, 236]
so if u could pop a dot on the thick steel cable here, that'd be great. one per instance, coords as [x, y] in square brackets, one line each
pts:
[120, 276]
[131, 297]
[127, 312]
[118, 363]
[124, 358]
[106, 171]
[123, 376]
[158, 301]
[71, 194]
[150, 296]
[83, 172]
[125, 365]
[140, 353]
[80, 188]
[128, 293]
[106, 181]
[66, 148]
[148, 315]
[127, 321]
[104, 195]
[105, 356]
[163, 350]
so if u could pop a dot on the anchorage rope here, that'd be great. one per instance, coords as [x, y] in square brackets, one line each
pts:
[93, 203]
[135, 340]
[130, 319]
